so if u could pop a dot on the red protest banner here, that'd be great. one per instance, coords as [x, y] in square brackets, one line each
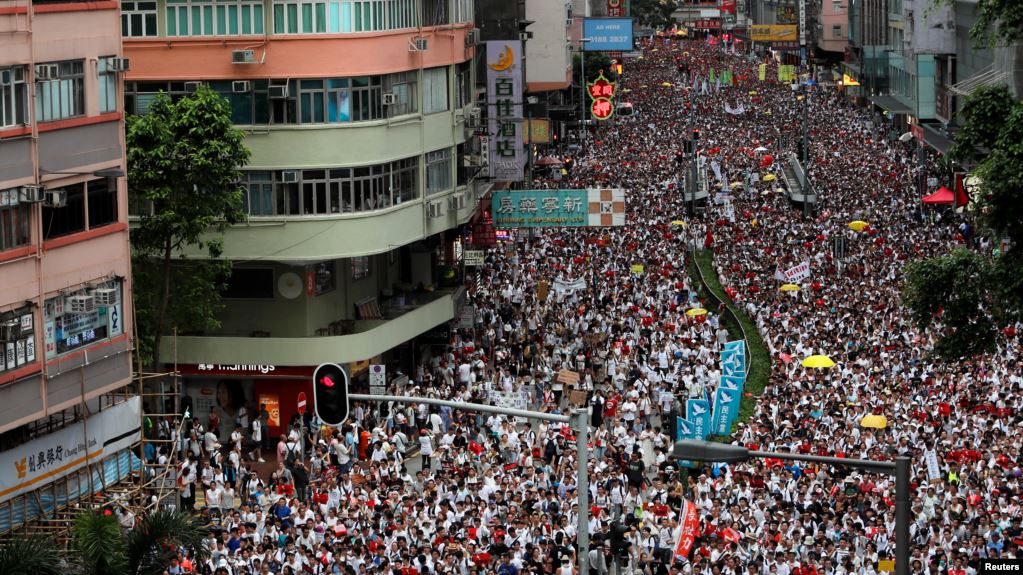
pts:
[689, 524]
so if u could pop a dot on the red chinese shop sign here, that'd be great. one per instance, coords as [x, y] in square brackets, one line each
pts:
[602, 92]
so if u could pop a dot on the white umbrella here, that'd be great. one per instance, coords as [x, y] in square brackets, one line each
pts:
[906, 137]
[760, 150]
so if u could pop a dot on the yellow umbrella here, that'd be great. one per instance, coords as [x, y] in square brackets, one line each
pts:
[753, 93]
[858, 225]
[696, 311]
[666, 84]
[875, 421]
[818, 362]
[789, 287]
[770, 178]
[679, 223]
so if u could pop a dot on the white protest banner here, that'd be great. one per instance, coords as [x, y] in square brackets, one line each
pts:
[799, 272]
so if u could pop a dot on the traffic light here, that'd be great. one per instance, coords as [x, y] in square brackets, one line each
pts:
[330, 393]
[619, 544]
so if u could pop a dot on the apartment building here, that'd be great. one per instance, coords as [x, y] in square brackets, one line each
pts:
[362, 120]
[65, 305]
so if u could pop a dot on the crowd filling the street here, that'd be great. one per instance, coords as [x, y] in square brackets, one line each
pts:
[410, 489]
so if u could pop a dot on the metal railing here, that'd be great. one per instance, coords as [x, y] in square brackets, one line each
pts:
[726, 314]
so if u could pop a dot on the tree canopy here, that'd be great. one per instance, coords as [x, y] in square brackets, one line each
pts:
[184, 160]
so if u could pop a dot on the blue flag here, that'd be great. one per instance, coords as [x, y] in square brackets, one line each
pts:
[698, 412]
[686, 430]
[726, 410]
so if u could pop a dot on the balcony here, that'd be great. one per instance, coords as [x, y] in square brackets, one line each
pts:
[369, 337]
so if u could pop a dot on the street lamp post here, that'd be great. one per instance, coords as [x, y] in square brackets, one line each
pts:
[582, 92]
[710, 451]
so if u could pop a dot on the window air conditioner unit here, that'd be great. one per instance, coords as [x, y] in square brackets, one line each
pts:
[456, 202]
[80, 304]
[418, 45]
[192, 87]
[435, 209]
[278, 92]
[55, 198]
[472, 37]
[31, 194]
[241, 86]
[47, 72]
[105, 296]
[243, 56]
[118, 64]
[390, 98]
[289, 176]
[10, 331]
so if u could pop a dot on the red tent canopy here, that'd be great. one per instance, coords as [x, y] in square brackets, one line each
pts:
[942, 196]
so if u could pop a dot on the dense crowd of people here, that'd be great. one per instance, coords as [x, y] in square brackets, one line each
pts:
[414, 490]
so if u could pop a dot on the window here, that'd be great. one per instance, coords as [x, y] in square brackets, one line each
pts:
[67, 329]
[250, 283]
[435, 12]
[259, 200]
[463, 85]
[836, 31]
[107, 84]
[438, 171]
[102, 202]
[138, 19]
[13, 97]
[222, 18]
[63, 96]
[331, 191]
[333, 16]
[435, 90]
[360, 267]
[463, 11]
[139, 96]
[68, 219]
[15, 220]
[836, 5]
[403, 86]
[367, 100]
[17, 338]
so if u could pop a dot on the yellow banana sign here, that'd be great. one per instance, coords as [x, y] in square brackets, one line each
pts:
[504, 61]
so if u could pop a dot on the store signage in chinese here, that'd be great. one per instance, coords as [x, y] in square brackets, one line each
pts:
[707, 24]
[601, 92]
[17, 339]
[504, 98]
[32, 464]
[558, 208]
[617, 8]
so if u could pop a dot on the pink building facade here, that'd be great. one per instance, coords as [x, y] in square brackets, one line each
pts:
[65, 293]
[833, 31]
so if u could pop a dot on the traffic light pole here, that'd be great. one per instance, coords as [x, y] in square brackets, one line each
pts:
[578, 420]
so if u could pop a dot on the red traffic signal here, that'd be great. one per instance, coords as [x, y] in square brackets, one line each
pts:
[330, 393]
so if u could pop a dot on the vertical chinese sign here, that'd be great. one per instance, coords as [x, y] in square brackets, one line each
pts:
[688, 528]
[602, 93]
[504, 97]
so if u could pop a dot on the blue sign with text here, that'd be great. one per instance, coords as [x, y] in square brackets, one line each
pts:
[607, 34]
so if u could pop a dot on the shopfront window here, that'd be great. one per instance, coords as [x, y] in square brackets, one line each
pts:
[17, 339]
[82, 317]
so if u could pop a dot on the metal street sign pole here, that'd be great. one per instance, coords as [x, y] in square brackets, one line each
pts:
[578, 420]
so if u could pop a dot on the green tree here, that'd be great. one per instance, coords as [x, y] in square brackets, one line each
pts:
[100, 546]
[978, 294]
[184, 160]
[998, 21]
[653, 13]
[955, 292]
